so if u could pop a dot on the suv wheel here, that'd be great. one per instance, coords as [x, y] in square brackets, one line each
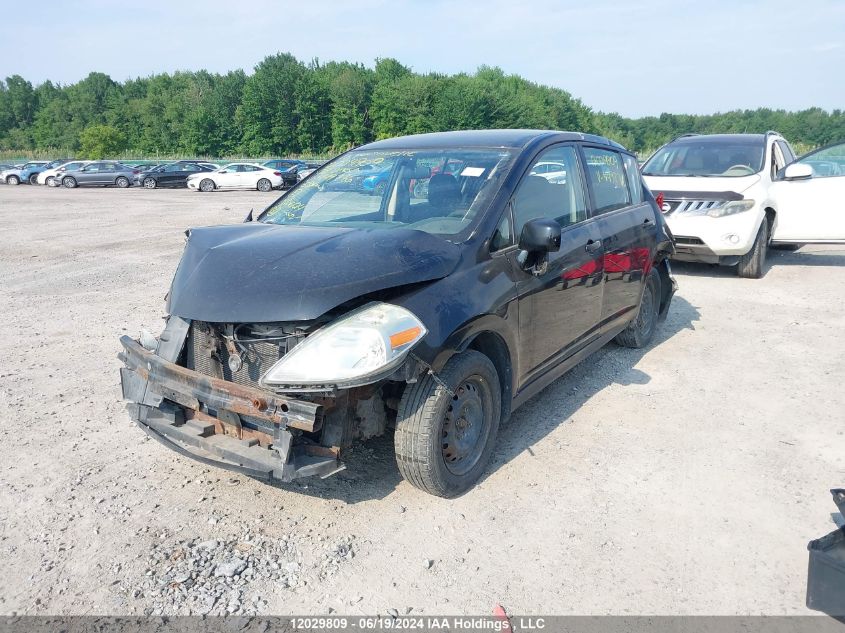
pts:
[444, 437]
[641, 330]
[752, 263]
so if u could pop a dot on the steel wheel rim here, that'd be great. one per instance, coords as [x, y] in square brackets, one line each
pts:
[645, 319]
[466, 425]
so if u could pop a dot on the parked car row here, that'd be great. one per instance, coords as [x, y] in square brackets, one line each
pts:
[197, 175]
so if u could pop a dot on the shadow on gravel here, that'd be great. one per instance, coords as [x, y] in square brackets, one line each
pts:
[371, 468]
[775, 258]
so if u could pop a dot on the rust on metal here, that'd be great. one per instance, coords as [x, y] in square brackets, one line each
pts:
[218, 393]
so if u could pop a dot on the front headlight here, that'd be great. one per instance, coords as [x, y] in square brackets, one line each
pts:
[357, 349]
[731, 208]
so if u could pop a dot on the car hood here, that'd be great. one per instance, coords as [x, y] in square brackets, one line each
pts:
[256, 272]
[678, 184]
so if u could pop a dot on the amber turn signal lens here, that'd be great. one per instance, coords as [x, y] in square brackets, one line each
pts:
[404, 337]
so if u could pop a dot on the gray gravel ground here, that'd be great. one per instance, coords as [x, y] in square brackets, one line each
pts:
[682, 479]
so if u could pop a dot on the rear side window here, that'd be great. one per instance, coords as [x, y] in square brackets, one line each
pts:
[551, 189]
[632, 172]
[607, 179]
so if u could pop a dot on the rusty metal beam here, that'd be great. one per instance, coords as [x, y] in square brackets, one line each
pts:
[216, 393]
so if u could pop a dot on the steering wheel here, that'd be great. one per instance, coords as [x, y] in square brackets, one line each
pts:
[739, 166]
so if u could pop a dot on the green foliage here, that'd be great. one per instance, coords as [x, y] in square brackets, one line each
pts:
[287, 107]
[101, 141]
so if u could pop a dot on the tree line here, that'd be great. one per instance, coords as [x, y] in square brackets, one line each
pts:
[288, 107]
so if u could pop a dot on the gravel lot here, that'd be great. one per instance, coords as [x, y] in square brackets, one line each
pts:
[683, 479]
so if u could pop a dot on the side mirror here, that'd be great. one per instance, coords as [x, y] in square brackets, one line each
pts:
[797, 171]
[540, 235]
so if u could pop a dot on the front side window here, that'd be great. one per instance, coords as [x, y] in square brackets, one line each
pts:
[439, 191]
[826, 162]
[607, 179]
[94, 167]
[730, 158]
[551, 189]
[233, 168]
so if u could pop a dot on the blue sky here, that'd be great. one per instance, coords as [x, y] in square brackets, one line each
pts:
[636, 58]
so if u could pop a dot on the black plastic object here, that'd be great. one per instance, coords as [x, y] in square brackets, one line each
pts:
[826, 572]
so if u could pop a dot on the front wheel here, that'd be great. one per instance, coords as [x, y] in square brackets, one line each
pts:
[122, 182]
[265, 185]
[69, 182]
[640, 331]
[50, 182]
[207, 185]
[149, 183]
[445, 436]
[751, 264]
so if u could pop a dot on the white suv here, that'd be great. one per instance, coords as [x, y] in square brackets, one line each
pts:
[726, 197]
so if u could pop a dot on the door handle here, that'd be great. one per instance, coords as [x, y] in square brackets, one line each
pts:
[592, 246]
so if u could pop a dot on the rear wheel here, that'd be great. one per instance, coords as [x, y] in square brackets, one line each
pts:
[207, 185]
[122, 182]
[13, 180]
[751, 265]
[149, 183]
[445, 436]
[69, 182]
[265, 185]
[33, 179]
[641, 330]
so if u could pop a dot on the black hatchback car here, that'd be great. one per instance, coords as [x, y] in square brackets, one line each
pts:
[492, 262]
[173, 174]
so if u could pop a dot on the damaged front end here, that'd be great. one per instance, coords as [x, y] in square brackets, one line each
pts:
[199, 392]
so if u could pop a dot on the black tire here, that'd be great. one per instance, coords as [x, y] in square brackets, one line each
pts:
[433, 451]
[207, 185]
[13, 180]
[122, 182]
[641, 330]
[264, 185]
[33, 179]
[69, 182]
[50, 181]
[150, 183]
[752, 264]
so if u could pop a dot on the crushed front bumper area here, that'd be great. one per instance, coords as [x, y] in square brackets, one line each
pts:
[221, 423]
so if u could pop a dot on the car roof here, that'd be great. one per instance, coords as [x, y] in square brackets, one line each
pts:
[721, 138]
[483, 138]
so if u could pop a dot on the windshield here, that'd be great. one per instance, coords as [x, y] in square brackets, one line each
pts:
[707, 158]
[438, 191]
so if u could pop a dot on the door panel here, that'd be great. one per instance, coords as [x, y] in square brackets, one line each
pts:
[560, 309]
[559, 300]
[628, 239]
[812, 209]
